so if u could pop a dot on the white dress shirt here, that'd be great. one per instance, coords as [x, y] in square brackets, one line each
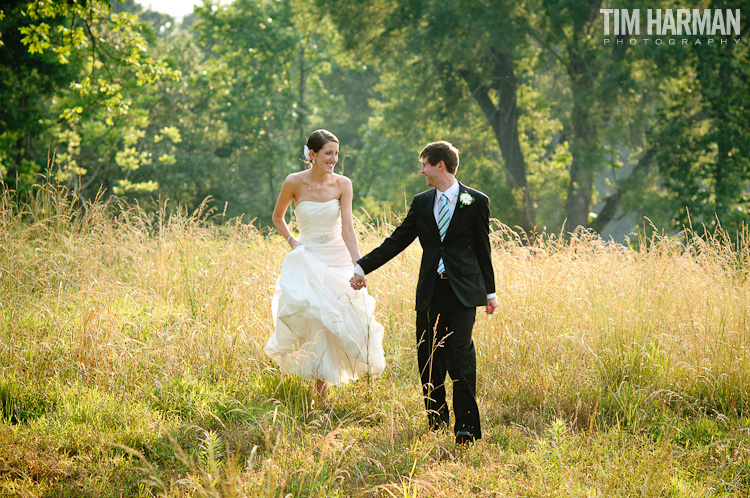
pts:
[452, 194]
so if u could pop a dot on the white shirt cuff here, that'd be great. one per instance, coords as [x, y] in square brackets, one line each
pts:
[491, 296]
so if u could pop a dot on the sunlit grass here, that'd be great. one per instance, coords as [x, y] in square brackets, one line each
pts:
[132, 365]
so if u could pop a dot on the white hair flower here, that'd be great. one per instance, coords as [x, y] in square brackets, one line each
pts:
[307, 152]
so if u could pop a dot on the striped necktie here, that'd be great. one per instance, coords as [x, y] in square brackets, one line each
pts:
[443, 221]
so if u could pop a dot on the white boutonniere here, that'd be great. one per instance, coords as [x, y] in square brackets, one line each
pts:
[465, 199]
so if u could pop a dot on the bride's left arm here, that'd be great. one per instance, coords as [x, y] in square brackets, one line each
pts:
[347, 224]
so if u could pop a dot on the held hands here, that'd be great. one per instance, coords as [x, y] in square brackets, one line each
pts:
[358, 282]
[491, 306]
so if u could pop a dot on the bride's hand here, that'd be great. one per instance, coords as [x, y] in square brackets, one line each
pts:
[358, 281]
[293, 242]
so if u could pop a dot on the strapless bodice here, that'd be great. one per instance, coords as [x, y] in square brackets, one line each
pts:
[318, 222]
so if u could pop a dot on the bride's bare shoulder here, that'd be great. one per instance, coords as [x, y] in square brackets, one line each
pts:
[295, 179]
[342, 180]
[297, 176]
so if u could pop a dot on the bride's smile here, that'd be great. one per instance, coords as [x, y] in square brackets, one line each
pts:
[327, 156]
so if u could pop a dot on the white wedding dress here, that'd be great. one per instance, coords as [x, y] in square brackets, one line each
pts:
[323, 328]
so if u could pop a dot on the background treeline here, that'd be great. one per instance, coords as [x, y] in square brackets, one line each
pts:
[554, 125]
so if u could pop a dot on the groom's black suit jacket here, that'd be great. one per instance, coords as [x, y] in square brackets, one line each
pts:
[465, 249]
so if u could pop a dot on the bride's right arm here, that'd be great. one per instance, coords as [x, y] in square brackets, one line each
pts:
[282, 204]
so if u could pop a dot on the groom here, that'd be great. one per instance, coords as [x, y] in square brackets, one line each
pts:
[456, 275]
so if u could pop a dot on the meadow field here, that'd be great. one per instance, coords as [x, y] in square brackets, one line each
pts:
[132, 365]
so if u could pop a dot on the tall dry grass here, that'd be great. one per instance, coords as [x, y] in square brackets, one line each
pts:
[155, 321]
[586, 320]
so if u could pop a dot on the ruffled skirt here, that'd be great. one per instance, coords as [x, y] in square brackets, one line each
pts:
[323, 328]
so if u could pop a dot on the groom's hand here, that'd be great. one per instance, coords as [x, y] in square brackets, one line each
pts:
[358, 281]
[491, 306]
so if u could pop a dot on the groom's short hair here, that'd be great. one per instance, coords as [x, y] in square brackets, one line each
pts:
[441, 151]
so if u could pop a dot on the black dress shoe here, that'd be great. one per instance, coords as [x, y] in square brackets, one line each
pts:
[464, 437]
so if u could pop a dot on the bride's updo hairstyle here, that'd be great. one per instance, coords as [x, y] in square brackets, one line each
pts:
[317, 140]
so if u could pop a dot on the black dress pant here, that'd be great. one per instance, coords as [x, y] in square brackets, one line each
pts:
[444, 344]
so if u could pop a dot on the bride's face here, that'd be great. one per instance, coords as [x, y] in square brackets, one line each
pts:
[327, 156]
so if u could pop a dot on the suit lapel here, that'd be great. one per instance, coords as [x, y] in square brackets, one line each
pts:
[457, 212]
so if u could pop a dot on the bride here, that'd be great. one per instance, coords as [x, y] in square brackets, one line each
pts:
[324, 330]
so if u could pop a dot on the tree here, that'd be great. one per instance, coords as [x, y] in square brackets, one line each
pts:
[474, 50]
[259, 72]
[452, 61]
[689, 142]
[28, 81]
[707, 167]
[105, 55]
[604, 97]
[565, 28]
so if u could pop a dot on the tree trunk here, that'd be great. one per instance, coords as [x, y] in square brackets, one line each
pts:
[580, 188]
[612, 203]
[504, 121]
[724, 185]
[583, 147]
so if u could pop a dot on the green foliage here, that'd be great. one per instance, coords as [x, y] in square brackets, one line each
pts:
[705, 140]
[110, 99]
[257, 78]
[116, 42]
[28, 83]
[426, 61]
[99, 63]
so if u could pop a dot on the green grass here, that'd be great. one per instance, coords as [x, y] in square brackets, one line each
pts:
[131, 364]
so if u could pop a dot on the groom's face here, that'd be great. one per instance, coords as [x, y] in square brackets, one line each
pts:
[429, 171]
